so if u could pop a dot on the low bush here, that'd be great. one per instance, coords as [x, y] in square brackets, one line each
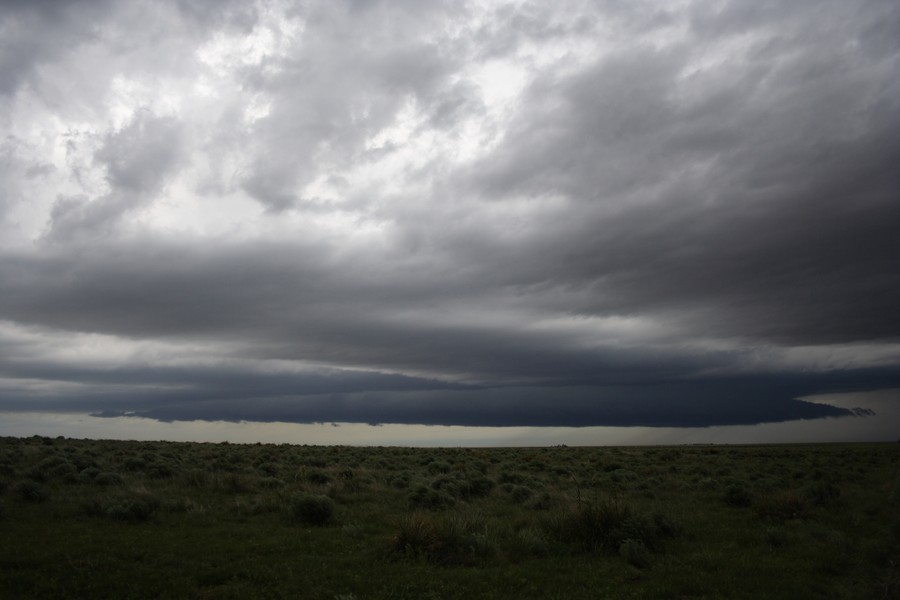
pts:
[89, 473]
[635, 553]
[312, 509]
[133, 506]
[423, 497]
[520, 493]
[270, 483]
[318, 477]
[822, 493]
[31, 491]
[108, 479]
[782, 506]
[160, 471]
[737, 495]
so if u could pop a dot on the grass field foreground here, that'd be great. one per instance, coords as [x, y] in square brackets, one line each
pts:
[117, 519]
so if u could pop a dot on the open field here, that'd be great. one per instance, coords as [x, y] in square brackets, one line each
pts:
[110, 519]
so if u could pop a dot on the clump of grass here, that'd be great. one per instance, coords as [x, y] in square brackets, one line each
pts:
[527, 542]
[605, 524]
[312, 509]
[592, 525]
[448, 540]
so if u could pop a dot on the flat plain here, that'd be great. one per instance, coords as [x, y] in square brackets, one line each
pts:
[120, 519]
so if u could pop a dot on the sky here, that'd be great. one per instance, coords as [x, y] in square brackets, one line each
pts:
[450, 222]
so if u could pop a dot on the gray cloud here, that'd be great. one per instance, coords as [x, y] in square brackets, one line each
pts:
[138, 160]
[606, 214]
[34, 33]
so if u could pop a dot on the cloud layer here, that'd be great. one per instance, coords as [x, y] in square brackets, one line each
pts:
[585, 213]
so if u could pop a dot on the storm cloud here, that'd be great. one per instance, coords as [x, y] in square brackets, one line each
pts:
[494, 214]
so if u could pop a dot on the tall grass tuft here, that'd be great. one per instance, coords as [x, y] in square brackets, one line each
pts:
[444, 540]
[605, 524]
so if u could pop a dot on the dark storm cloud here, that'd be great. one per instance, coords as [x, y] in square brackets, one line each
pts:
[765, 197]
[685, 405]
[691, 223]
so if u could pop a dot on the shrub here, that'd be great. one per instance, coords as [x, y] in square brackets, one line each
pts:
[400, 482]
[423, 497]
[512, 477]
[270, 483]
[822, 493]
[31, 491]
[108, 479]
[83, 462]
[37, 474]
[737, 495]
[478, 487]
[529, 542]
[542, 502]
[520, 493]
[353, 531]
[134, 506]
[196, 478]
[134, 463]
[318, 477]
[160, 471]
[436, 467]
[312, 509]
[89, 473]
[635, 553]
[783, 506]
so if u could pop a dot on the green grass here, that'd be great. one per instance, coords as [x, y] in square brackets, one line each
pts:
[106, 519]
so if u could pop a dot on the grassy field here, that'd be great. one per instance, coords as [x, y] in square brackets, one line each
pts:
[112, 519]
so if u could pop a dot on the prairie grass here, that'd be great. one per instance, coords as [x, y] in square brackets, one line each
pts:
[105, 519]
